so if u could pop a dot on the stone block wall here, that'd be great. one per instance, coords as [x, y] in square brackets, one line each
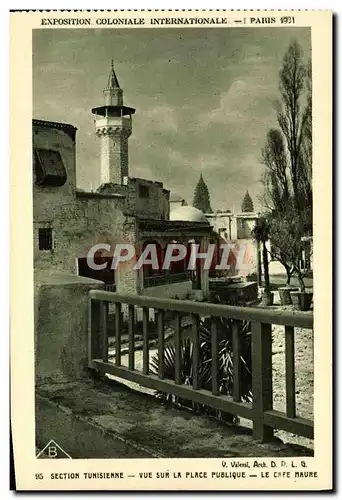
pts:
[61, 326]
[77, 222]
[147, 199]
[50, 203]
[114, 155]
[127, 278]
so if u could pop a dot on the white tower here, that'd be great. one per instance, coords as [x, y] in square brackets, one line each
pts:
[113, 125]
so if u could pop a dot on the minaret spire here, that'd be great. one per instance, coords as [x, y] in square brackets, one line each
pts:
[113, 82]
[113, 125]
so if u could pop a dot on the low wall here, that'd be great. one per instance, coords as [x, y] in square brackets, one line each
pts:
[180, 290]
[237, 293]
[61, 325]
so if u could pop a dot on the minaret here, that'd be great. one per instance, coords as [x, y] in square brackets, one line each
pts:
[113, 125]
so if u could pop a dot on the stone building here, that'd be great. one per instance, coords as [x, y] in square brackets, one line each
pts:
[69, 221]
[233, 226]
[236, 229]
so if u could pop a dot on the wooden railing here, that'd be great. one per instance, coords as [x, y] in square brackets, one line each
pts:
[260, 411]
[110, 287]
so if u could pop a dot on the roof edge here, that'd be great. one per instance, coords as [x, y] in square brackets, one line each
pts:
[67, 127]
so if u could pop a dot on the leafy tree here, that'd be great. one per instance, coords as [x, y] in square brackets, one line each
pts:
[247, 203]
[286, 232]
[277, 188]
[201, 197]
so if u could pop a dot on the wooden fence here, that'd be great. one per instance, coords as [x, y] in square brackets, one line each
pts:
[260, 411]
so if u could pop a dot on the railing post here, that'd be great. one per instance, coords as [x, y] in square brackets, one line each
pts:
[146, 347]
[178, 347]
[118, 334]
[131, 337]
[261, 379]
[214, 357]
[161, 353]
[237, 376]
[94, 331]
[290, 372]
[104, 331]
[195, 352]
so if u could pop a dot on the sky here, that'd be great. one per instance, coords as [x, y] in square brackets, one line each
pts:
[204, 100]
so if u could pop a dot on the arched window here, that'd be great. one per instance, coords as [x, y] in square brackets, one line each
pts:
[148, 268]
[107, 275]
[179, 266]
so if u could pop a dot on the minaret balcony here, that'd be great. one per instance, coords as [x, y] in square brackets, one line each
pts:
[115, 122]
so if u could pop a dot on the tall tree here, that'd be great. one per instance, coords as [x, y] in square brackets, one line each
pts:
[287, 156]
[292, 118]
[277, 188]
[305, 163]
[201, 197]
[247, 203]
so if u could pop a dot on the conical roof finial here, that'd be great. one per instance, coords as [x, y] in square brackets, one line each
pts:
[113, 82]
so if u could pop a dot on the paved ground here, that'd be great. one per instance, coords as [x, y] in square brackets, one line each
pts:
[151, 429]
[280, 280]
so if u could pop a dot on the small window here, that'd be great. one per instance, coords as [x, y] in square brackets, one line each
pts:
[45, 238]
[143, 191]
[49, 167]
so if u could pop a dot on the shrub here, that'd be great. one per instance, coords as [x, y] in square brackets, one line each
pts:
[225, 365]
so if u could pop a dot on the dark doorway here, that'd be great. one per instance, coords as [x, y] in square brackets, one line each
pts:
[106, 275]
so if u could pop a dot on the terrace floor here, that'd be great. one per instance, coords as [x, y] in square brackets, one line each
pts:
[139, 426]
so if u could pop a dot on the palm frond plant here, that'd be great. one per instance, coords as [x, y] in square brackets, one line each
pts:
[169, 369]
[225, 355]
[225, 365]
